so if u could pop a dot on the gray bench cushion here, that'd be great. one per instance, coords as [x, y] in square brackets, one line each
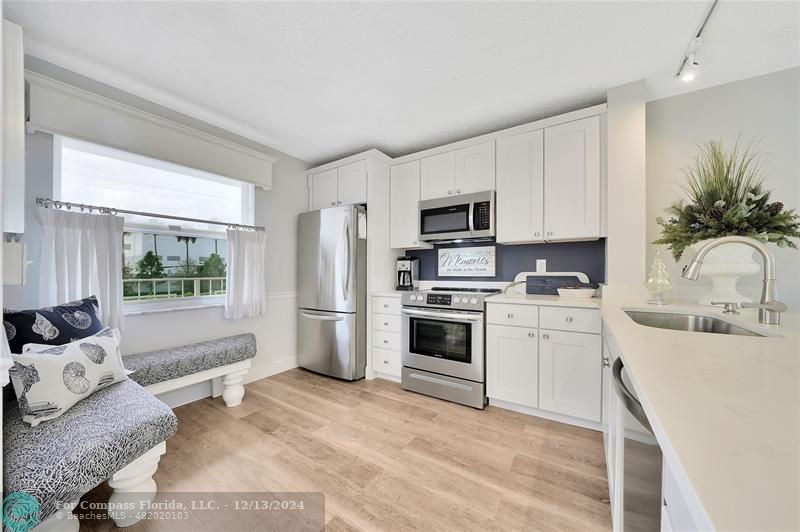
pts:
[166, 364]
[60, 460]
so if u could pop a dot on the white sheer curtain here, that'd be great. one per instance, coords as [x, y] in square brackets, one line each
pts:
[246, 294]
[82, 256]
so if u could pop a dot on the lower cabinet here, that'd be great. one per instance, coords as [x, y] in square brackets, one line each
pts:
[570, 373]
[386, 360]
[512, 357]
[557, 370]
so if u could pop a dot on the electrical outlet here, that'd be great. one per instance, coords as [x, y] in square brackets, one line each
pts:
[541, 265]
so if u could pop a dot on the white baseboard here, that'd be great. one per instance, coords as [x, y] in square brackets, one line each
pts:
[552, 416]
[213, 388]
[385, 376]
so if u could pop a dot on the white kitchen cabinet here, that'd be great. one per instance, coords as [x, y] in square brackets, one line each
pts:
[512, 364]
[13, 134]
[345, 185]
[404, 209]
[463, 171]
[475, 168]
[520, 188]
[570, 369]
[438, 175]
[572, 180]
[324, 189]
[352, 183]
[385, 334]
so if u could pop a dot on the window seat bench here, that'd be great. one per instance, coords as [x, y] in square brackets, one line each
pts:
[165, 370]
[116, 434]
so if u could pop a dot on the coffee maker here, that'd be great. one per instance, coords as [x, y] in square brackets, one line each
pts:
[407, 277]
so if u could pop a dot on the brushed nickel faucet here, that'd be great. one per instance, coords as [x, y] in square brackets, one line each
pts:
[769, 309]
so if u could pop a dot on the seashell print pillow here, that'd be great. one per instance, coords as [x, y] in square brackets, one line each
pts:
[57, 325]
[48, 380]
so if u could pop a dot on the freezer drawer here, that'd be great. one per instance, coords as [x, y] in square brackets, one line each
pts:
[330, 343]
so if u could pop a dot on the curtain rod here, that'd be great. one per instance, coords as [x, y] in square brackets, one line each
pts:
[48, 203]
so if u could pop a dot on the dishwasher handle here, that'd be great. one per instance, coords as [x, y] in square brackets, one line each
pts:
[630, 401]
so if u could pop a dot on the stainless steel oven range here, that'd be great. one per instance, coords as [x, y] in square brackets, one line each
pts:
[443, 344]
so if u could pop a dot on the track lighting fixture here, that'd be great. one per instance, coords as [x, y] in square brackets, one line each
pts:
[689, 69]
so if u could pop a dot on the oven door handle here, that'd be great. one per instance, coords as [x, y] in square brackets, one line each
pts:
[436, 315]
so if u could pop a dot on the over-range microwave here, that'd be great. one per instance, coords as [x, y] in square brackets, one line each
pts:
[457, 218]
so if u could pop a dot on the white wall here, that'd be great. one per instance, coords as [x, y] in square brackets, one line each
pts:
[766, 108]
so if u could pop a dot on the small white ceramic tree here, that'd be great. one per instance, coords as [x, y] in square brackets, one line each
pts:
[658, 281]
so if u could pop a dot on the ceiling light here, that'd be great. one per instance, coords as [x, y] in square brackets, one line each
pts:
[690, 69]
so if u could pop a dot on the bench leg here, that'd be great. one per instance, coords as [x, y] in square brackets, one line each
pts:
[233, 391]
[62, 521]
[134, 484]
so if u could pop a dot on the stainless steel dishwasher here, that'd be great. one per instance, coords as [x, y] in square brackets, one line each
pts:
[641, 460]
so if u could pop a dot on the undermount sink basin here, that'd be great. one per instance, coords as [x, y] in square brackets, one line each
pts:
[687, 322]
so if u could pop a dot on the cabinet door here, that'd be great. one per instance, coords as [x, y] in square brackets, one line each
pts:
[13, 133]
[512, 364]
[438, 175]
[404, 209]
[572, 180]
[352, 183]
[324, 191]
[569, 370]
[520, 188]
[474, 168]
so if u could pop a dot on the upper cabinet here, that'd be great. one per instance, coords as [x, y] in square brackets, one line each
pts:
[458, 172]
[13, 134]
[520, 188]
[345, 185]
[548, 183]
[572, 180]
[405, 195]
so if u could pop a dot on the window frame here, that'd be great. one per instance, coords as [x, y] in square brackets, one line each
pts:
[160, 305]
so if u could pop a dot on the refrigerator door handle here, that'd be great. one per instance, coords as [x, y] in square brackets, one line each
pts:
[346, 283]
[321, 317]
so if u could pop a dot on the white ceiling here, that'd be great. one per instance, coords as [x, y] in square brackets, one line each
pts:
[320, 80]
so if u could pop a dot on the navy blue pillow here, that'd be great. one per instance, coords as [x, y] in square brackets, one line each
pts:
[52, 325]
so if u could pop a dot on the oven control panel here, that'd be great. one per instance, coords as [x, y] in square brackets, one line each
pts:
[439, 299]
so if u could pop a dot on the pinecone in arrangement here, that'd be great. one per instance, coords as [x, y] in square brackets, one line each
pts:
[716, 213]
[775, 208]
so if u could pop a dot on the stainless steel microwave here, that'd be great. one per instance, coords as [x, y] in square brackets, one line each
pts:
[462, 217]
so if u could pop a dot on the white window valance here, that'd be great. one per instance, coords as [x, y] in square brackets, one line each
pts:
[62, 109]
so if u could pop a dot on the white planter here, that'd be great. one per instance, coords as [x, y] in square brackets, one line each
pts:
[724, 265]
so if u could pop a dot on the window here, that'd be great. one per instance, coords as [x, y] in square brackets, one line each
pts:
[180, 262]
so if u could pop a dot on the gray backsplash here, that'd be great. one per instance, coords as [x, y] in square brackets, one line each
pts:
[586, 257]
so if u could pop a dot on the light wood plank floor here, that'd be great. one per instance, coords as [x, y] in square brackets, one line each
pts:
[387, 459]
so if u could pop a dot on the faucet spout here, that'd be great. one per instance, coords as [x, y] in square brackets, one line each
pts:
[768, 312]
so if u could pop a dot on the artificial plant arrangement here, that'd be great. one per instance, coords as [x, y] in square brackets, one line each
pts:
[726, 198]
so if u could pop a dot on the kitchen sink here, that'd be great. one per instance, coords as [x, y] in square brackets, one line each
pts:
[687, 322]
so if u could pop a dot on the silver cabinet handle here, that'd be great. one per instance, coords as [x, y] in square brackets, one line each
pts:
[338, 203]
[386, 341]
[510, 316]
[545, 336]
[536, 233]
[531, 335]
[333, 203]
[385, 323]
[385, 361]
[606, 362]
[568, 319]
[549, 233]
[450, 192]
[458, 191]
[385, 306]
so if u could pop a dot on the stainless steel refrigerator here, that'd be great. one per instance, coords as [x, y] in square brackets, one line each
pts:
[332, 288]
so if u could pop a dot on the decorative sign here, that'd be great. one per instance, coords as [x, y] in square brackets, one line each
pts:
[467, 262]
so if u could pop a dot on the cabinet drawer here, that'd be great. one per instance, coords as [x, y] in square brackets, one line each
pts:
[386, 322]
[386, 340]
[514, 315]
[571, 319]
[386, 361]
[386, 305]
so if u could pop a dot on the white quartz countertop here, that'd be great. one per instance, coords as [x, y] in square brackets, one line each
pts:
[516, 298]
[393, 293]
[724, 408]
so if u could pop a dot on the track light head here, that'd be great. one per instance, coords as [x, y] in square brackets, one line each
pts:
[690, 69]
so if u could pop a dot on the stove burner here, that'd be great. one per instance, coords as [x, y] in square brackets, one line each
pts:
[462, 289]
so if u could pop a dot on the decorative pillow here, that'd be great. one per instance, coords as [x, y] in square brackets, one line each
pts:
[48, 380]
[52, 325]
